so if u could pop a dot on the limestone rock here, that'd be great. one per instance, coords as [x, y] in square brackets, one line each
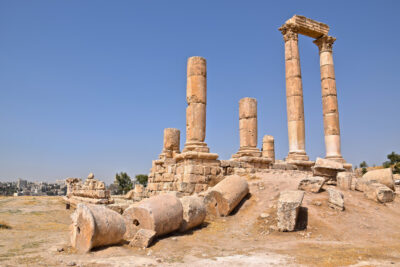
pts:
[226, 195]
[94, 226]
[382, 176]
[90, 176]
[379, 193]
[288, 209]
[311, 184]
[327, 168]
[143, 238]
[194, 212]
[344, 180]
[336, 199]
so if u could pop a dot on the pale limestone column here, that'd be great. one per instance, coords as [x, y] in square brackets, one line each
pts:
[196, 96]
[171, 142]
[294, 94]
[248, 128]
[268, 150]
[329, 98]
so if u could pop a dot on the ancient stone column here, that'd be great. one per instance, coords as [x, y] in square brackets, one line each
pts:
[294, 94]
[268, 150]
[171, 142]
[248, 128]
[329, 98]
[196, 96]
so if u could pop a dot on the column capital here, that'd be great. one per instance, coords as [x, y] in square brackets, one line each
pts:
[325, 43]
[289, 32]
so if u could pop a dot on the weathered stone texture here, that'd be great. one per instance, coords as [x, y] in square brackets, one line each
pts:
[268, 148]
[336, 199]
[344, 180]
[162, 214]
[383, 176]
[288, 209]
[94, 226]
[143, 238]
[194, 212]
[327, 168]
[378, 192]
[226, 195]
[312, 184]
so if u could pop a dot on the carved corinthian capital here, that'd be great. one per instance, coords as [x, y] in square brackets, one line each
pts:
[325, 43]
[289, 32]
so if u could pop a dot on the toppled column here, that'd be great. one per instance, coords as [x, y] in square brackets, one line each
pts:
[196, 110]
[162, 214]
[171, 143]
[268, 150]
[329, 98]
[226, 195]
[288, 209]
[194, 212]
[382, 176]
[294, 94]
[248, 128]
[95, 226]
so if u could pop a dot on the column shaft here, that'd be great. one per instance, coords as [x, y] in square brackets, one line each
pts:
[196, 96]
[329, 98]
[294, 94]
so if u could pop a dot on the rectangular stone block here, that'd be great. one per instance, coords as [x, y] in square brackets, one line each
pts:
[309, 27]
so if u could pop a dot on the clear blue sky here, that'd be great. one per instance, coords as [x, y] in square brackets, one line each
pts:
[89, 86]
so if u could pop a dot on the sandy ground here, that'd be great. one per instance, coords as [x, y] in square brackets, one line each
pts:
[365, 234]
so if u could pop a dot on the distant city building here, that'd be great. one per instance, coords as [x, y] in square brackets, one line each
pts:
[25, 188]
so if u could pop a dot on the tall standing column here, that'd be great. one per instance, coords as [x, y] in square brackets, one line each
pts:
[248, 128]
[329, 98]
[196, 96]
[294, 94]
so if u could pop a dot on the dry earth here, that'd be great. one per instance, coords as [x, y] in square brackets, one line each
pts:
[365, 234]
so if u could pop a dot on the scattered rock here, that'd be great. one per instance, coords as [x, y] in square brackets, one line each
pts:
[327, 168]
[264, 215]
[379, 193]
[72, 263]
[382, 176]
[311, 184]
[344, 180]
[143, 238]
[336, 199]
[317, 203]
[288, 209]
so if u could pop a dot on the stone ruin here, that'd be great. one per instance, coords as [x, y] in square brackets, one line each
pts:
[91, 191]
[186, 187]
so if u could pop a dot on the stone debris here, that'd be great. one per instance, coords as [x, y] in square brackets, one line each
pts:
[162, 214]
[311, 184]
[382, 176]
[336, 199]
[91, 191]
[143, 238]
[344, 180]
[194, 212]
[94, 226]
[226, 195]
[288, 209]
[327, 168]
[379, 193]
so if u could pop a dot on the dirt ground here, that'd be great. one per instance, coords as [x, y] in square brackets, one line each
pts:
[365, 234]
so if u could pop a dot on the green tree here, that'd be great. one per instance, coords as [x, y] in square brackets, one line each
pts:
[142, 179]
[363, 166]
[394, 158]
[393, 162]
[124, 182]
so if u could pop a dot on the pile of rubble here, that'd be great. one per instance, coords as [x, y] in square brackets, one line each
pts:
[91, 191]
[96, 225]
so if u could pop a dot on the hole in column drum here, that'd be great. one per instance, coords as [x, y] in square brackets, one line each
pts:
[136, 222]
[78, 229]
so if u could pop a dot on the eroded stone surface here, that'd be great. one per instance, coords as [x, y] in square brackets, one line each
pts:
[194, 212]
[336, 199]
[378, 192]
[143, 238]
[288, 209]
[383, 176]
[311, 184]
